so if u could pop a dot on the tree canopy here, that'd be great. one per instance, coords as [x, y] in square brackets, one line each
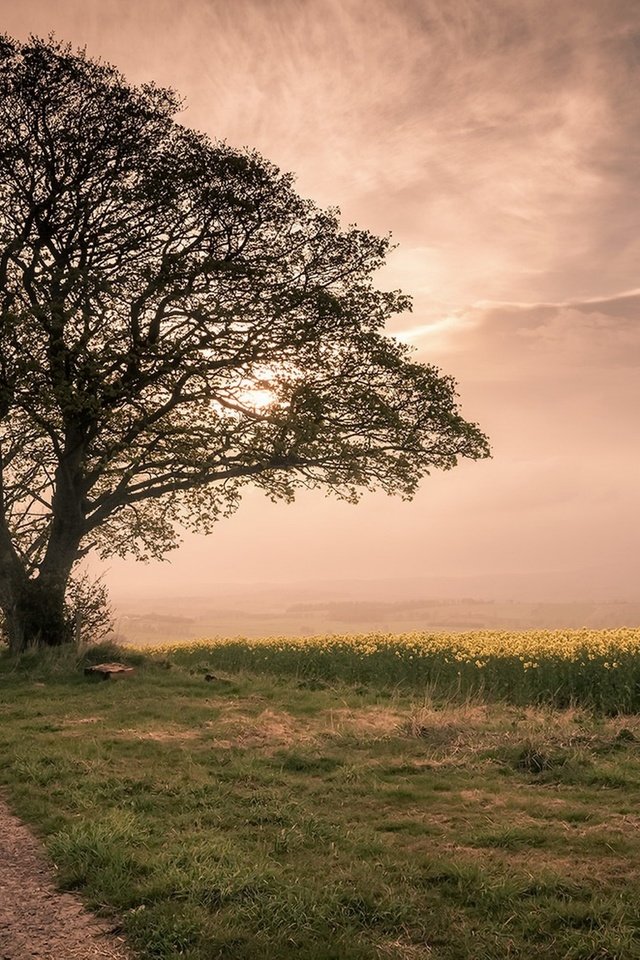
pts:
[176, 322]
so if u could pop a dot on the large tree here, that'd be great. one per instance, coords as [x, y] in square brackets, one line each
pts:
[176, 322]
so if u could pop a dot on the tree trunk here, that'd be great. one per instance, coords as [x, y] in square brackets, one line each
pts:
[35, 615]
[34, 608]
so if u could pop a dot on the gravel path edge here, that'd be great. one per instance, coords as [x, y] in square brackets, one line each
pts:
[37, 921]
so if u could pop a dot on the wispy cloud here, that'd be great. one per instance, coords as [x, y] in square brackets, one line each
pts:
[498, 140]
[538, 341]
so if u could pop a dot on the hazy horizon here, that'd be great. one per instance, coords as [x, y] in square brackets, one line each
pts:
[548, 587]
[499, 143]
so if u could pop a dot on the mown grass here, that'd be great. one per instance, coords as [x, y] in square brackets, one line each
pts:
[254, 816]
[596, 669]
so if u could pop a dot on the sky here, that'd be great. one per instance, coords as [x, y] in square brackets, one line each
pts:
[498, 141]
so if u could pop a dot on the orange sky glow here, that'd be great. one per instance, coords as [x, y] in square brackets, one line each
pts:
[499, 141]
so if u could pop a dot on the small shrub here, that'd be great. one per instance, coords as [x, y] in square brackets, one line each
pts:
[89, 610]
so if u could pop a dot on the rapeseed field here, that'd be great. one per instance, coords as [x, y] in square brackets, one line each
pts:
[599, 669]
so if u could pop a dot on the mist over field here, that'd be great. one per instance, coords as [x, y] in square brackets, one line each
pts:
[351, 607]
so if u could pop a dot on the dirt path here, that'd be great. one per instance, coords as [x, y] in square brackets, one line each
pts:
[37, 922]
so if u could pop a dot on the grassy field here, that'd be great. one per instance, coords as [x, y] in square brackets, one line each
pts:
[265, 813]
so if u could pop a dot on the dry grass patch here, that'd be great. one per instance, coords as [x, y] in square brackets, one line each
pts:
[270, 730]
[402, 950]
[371, 723]
[587, 870]
[75, 721]
[159, 734]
